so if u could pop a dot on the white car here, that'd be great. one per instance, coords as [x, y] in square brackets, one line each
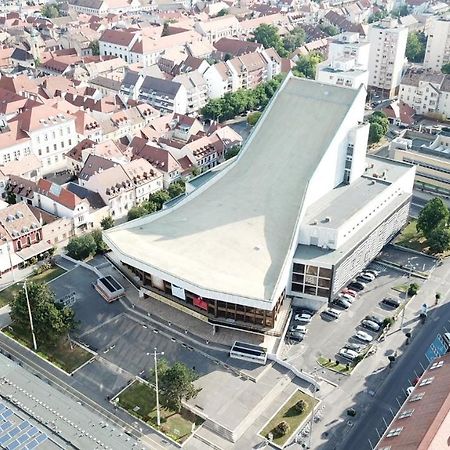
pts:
[347, 297]
[299, 328]
[363, 336]
[369, 275]
[304, 318]
[348, 354]
[370, 325]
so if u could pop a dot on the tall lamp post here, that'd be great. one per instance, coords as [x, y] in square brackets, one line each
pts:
[30, 315]
[158, 413]
[10, 259]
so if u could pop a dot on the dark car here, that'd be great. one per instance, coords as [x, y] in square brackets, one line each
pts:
[391, 302]
[341, 302]
[356, 286]
[296, 336]
[353, 346]
[376, 319]
[363, 278]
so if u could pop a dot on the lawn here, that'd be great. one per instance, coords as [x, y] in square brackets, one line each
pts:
[341, 368]
[402, 288]
[64, 355]
[139, 399]
[289, 414]
[8, 294]
[411, 238]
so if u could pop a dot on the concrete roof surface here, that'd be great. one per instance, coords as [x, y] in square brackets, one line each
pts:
[234, 233]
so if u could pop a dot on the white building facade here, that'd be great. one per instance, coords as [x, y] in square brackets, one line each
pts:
[438, 44]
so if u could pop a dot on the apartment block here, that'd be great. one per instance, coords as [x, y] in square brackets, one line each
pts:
[387, 55]
[438, 44]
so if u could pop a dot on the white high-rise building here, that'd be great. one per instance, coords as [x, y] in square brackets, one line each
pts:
[438, 44]
[387, 55]
[347, 63]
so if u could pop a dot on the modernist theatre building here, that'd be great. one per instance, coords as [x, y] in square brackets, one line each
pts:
[297, 214]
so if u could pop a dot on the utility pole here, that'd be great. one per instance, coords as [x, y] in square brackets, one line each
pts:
[30, 315]
[158, 412]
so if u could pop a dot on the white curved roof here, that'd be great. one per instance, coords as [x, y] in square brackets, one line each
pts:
[233, 234]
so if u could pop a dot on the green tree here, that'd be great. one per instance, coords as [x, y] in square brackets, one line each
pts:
[253, 117]
[232, 152]
[11, 198]
[400, 11]
[329, 30]
[439, 240]
[177, 188]
[81, 247]
[379, 126]
[377, 16]
[306, 65]
[95, 47]
[196, 171]
[160, 197]
[294, 39]
[136, 211]
[107, 222]
[222, 12]
[99, 242]
[416, 46]
[176, 383]
[434, 215]
[446, 68]
[51, 320]
[50, 10]
[268, 37]
[413, 289]
[149, 206]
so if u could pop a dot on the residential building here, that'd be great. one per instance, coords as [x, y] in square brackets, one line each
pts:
[430, 154]
[60, 202]
[125, 185]
[438, 44]
[250, 68]
[22, 232]
[196, 90]
[220, 78]
[423, 420]
[220, 27]
[104, 7]
[348, 62]
[227, 47]
[165, 95]
[387, 55]
[427, 92]
[241, 247]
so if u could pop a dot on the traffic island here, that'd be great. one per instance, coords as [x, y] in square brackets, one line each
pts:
[139, 400]
[289, 419]
[336, 366]
[65, 355]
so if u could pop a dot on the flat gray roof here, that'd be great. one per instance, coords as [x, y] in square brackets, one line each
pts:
[233, 234]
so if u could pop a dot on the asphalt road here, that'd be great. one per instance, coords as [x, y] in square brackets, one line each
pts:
[391, 395]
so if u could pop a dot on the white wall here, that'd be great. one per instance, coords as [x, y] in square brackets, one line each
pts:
[438, 41]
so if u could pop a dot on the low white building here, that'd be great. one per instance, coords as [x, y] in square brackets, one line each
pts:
[347, 63]
[166, 96]
[196, 90]
[219, 27]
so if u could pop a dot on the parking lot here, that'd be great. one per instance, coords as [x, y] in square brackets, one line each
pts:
[326, 337]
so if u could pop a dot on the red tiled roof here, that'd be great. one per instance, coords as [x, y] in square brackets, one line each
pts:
[65, 197]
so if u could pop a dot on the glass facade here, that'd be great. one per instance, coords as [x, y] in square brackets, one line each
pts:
[312, 280]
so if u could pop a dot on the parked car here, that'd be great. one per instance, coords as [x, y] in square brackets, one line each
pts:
[355, 347]
[391, 302]
[331, 313]
[296, 336]
[363, 278]
[372, 326]
[299, 328]
[368, 275]
[348, 354]
[374, 272]
[356, 286]
[347, 297]
[343, 303]
[376, 319]
[303, 318]
[363, 336]
[349, 292]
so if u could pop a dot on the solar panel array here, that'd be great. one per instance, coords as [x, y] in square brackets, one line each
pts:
[16, 433]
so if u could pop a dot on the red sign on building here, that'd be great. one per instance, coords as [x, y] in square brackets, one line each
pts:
[200, 303]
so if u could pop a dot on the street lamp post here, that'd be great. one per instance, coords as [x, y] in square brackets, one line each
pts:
[10, 260]
[158, 413]
[30, 315]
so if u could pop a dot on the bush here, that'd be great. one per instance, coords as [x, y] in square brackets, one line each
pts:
[413, 289]
[387, 322]
[282, 428]
[107, 222]
[300, 406]
[253, 117]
